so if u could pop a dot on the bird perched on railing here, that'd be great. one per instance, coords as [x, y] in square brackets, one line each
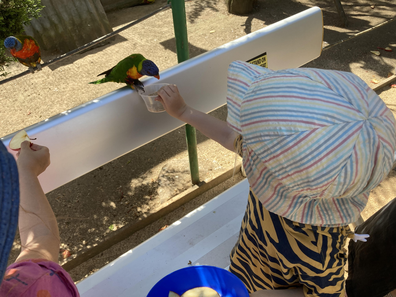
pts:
[129, 70]
[25, 49]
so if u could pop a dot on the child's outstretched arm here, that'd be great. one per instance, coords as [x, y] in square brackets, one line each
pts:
[211, 127]
[37, 224]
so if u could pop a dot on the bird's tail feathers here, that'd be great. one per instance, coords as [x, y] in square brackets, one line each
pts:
[100, 81]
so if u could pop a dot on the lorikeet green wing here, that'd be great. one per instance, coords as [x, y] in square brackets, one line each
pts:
[129, 70]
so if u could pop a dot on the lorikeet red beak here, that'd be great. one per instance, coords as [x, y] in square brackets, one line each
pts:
[157, 76]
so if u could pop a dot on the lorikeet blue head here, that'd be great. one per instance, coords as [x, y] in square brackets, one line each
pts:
[149, 69]
[13, 43]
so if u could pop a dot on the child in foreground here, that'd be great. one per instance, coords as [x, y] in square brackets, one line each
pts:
[314, 144]
[36, 271]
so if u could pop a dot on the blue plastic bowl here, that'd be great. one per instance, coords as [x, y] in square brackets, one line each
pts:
[224, 282]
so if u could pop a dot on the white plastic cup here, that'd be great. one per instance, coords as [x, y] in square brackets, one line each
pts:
[149, 95]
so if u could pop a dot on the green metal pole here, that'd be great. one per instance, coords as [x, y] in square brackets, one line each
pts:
[180, 26]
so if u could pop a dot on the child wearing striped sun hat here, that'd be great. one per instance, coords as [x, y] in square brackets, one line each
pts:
[314, 144]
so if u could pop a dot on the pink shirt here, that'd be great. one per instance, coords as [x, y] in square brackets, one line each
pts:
[37, 278]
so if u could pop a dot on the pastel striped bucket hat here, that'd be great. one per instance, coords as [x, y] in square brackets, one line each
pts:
[9, 205]
[315, 142]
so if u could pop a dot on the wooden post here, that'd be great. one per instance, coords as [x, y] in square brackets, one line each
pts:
[240, 7]
[341, 13]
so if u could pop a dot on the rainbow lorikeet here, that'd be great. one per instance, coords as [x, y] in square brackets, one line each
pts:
[129, 70]
[25, 49]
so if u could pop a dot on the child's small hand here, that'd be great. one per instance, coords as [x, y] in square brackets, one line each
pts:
[172, 101]
[33, 158]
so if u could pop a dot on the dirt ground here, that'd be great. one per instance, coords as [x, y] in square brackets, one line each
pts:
[124, 191]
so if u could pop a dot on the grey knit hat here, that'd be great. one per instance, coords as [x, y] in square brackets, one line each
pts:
[9, 205]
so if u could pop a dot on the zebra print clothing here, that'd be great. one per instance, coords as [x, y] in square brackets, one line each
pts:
[273, 252]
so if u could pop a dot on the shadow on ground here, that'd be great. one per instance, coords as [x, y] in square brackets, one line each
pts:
[47, 56]
[193, 50]
[271, 11]
[356, 52]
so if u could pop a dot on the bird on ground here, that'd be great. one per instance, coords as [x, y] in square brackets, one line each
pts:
[129, 70]
[25, 49]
